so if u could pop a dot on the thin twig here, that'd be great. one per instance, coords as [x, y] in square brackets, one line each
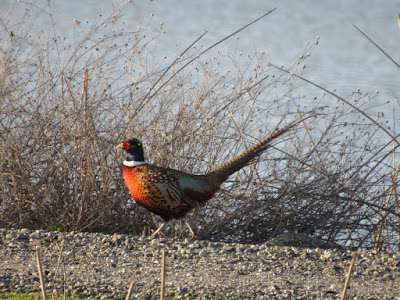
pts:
[341, 99]
[59, 261]
[197, 56]
[174, 63]
[376, 45]
[346, 285]
[40, 274]
[162, 275]
[129, 291]
[398, 18]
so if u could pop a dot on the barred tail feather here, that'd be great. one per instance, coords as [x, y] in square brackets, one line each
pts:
[227, 169]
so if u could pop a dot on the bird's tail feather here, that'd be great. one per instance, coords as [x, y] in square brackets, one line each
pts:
[227, 169]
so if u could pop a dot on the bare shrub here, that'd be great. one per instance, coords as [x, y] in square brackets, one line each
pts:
[64, 107]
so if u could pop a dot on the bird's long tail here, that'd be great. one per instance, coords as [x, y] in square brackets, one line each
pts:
[227, 169]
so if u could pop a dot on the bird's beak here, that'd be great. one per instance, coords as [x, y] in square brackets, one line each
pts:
[119, 146]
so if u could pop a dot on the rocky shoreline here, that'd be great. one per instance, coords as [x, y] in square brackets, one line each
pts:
[103, 266]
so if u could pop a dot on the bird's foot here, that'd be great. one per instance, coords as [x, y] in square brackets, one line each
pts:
[155, 233]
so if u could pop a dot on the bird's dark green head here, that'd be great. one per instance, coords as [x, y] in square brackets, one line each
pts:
[134, 149]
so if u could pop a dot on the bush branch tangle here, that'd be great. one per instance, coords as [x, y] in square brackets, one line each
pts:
[65, 102]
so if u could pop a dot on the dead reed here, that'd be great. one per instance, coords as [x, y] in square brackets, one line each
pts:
[350, 271]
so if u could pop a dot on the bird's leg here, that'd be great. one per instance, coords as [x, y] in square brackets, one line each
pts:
[181, 229]
[181, 234]
[144, 231]
[190, 229]
[157, 231]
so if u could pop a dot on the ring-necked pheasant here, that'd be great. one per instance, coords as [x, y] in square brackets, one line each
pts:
[170, 193]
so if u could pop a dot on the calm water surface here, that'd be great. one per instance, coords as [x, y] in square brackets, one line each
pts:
[343, 60]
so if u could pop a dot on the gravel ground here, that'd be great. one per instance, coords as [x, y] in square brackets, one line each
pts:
[103, 266]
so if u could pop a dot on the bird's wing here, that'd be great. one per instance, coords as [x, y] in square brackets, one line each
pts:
[170, 184]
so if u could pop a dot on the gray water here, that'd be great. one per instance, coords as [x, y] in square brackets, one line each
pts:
[344, 60]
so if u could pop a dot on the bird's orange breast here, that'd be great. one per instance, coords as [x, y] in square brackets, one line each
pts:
[141, 191]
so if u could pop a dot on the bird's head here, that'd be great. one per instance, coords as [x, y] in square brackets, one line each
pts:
[135, 152]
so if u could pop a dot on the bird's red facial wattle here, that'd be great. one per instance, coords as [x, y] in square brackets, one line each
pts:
[127, 145]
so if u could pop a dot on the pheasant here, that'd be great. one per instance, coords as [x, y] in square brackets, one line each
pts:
[170, 193]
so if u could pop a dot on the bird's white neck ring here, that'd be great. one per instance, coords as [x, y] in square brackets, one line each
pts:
[133, 163]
